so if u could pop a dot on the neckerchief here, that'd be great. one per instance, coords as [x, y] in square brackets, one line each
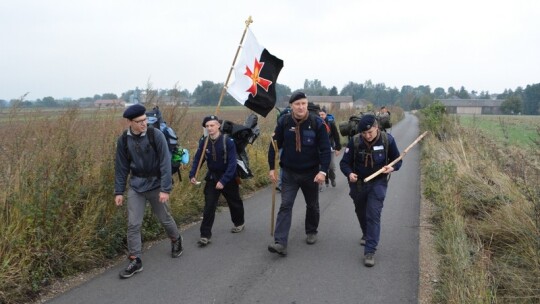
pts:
[369, 148]
[297, 131]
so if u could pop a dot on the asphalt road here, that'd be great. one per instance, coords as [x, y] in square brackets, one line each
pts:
[237, 268]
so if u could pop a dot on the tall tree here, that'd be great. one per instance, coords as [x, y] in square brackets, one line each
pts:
[463, 94]
[512, 105]
[531, 100]
[439, 93]
[353, 89]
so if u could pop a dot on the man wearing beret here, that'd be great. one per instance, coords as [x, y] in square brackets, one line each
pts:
[304, 161]
[220, 178]
[374, 150]
[150, 180]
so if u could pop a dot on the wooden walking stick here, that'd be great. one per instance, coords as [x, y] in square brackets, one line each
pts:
[372, 176]
[274, 145]
[248, 22]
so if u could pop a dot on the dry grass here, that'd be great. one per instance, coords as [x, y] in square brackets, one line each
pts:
[57, 213]
[486, 213]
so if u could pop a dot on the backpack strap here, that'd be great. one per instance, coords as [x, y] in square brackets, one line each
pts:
[125, 144]
[225, 136]
[151, 137]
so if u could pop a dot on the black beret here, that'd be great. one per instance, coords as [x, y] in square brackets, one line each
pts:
[366, 122]
[208, 118]
[134, 111]
[297, 95]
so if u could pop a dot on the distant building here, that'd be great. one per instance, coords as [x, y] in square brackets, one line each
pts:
[330, 103]
[472, 106]
[162, 99]
[107, 103]
[362, 105]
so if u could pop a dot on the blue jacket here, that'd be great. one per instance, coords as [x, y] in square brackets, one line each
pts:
[362, 164]
[219, 169]
[315, 147]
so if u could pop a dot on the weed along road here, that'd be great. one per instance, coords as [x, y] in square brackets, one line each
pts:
[237, 268]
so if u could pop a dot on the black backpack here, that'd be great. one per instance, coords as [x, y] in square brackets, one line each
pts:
[242, 135]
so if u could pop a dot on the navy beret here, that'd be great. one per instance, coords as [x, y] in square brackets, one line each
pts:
[134, 111]
[297, 95]
[366, 122]
[208, 118]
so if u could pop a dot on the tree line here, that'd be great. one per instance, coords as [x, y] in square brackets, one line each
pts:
[519, 101]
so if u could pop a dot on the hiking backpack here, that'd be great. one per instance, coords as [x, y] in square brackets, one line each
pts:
[179, 155]
[350, 127]
[242, 135]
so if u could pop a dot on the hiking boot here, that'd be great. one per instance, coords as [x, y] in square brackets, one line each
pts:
[363, 241]
[333, 182]
[238, 229]
[311, 239]
[277, 248]
[369, 259]
[203, 242]
[134, 266]
[176, 247]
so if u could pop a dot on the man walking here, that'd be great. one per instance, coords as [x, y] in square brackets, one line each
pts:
[366, 153]
[305, 158]
[220, 156]
[335, 145]
[150, 181]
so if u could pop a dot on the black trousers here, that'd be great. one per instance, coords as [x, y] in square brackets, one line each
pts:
[231, 192]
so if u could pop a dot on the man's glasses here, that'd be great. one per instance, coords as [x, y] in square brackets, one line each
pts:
[140, 121]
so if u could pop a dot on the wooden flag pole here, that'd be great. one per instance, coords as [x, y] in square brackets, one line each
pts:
[372, 176]
[276, 154]
[248, 22]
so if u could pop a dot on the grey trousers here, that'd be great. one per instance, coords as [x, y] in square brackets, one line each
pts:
[136, 203]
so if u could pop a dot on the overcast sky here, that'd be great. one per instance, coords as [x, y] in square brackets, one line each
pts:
[79, 48]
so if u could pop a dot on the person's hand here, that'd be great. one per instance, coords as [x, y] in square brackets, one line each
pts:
[119, 200]
[388, 169]
[219, 186]
[320, 178]
[353, 178]
[194, 181]
[272, 175]
[163, 197]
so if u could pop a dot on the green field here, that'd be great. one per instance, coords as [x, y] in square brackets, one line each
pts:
[522, 131]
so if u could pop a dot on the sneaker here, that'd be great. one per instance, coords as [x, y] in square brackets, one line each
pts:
[333, 183]
[176, 247]
[134, 266]
[238, 229]
[311, 239]
[277, 248]
[363, 241]
[369, 259]
[203, 242]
